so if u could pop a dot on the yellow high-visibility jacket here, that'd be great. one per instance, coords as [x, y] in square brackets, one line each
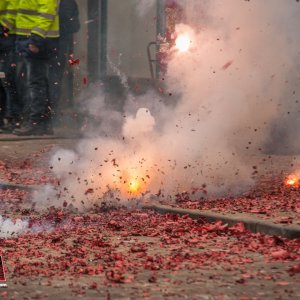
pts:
[39, 17]
[8, 13]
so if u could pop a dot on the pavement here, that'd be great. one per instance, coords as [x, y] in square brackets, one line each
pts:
[251, 221]
[14, 148]
[256, 279]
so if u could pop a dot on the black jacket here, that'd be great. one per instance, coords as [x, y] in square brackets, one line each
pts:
[6, 42]
[68, 17]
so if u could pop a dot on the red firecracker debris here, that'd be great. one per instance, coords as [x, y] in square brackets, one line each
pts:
[227, 65]
[73, 62]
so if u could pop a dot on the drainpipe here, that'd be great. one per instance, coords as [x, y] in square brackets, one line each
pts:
[93, 41]
[160, 30]
[103, 38]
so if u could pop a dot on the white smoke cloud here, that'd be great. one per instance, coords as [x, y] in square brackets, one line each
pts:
[229, 84]
[10, 228]
[142, 123]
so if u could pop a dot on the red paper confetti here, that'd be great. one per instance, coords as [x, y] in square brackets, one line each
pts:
[73, 62]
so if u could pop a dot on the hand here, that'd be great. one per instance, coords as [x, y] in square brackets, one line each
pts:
[36, 44]
[33, 48]
[3, 31]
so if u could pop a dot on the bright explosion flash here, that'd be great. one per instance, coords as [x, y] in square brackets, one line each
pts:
[134, 186]
[292, 181]
[183, 43]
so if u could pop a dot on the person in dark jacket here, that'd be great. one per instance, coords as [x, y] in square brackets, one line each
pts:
[68, 24]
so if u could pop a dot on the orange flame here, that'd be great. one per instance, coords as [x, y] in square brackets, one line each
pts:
[292, 180]
[134, 186]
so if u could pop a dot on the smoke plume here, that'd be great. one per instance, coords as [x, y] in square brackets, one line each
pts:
[238, 77]
[10, 228]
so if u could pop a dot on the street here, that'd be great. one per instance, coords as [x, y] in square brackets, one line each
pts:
[111, 252]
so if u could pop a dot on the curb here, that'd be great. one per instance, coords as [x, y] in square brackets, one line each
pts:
[252, 224]
[16, 186]
[34, 138]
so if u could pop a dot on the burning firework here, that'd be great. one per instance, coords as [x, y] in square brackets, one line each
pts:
[292, 180]
[183, 43]
[134, 186]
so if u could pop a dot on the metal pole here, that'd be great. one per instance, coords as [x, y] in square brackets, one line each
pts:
[103, 38]
[70, 81]
[161, 18]
[160, 30]
[93, 40]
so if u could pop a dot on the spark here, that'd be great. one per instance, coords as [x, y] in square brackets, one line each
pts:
[183, 43]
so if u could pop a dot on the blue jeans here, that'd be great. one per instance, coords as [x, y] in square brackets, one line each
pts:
[37, 97]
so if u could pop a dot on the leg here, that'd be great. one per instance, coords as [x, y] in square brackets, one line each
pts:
[37, 106]
[37, 87]
[13, 105]
[37, 90]
[2, 105]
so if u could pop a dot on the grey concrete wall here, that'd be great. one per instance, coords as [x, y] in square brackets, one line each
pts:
[80, 49]
[128, 37]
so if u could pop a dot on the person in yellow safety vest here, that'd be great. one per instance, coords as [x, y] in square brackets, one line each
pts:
[11, 105]
[37, 29]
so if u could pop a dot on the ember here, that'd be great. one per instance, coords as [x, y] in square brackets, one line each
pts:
[292, 180]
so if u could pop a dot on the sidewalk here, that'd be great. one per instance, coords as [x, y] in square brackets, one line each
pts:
[253, 222]
[15, 149]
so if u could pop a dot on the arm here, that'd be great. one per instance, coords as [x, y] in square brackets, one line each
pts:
[9, 12]
[48, 10]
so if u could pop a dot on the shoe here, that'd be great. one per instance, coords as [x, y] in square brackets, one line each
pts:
[5, 130]
[9, 125]
[38, 129]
